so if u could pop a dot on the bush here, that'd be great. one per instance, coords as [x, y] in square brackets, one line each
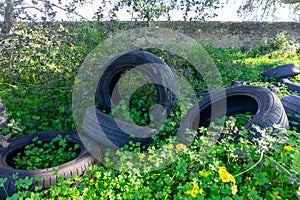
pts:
[280, 46]
[37, 74]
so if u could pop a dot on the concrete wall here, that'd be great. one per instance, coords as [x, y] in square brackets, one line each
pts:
[227, 34]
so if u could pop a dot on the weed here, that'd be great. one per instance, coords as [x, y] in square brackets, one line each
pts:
[41, 155]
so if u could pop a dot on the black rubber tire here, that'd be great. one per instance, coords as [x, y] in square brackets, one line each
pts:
[261, 102]
[291, 104]
[75, 167]
[281, 72]
[111, 132]
[290, 85]
[158, 71]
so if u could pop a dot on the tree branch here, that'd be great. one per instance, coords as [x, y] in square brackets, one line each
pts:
[290, 1]
[74, 13]
[8, 17]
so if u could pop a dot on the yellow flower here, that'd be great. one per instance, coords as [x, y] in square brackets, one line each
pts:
[200, 191]
[170, 146]
[196, 190]
[195, 186]
[288, 148]
[180, 147]
[234, 189]
[142, 155]
[225, 175]
[192, 193]
[150, 157]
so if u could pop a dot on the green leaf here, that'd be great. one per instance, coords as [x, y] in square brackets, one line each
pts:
[2, 181]
[261, 178]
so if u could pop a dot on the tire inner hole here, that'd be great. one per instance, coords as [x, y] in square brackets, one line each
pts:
[234, 105]
[43, 154]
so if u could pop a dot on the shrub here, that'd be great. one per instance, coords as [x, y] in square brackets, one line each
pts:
[280, 46]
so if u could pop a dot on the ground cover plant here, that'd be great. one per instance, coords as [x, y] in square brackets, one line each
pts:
[36, 85]
[296, 79]
[41, 155]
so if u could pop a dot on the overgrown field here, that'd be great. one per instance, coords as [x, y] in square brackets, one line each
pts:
[38, 68]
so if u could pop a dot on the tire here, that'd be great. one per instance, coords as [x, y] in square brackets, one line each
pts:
[281, 72]
[290, 85]
[158, 71]
[291, 104]
[261, 102]
[111, 132]
[75, 167]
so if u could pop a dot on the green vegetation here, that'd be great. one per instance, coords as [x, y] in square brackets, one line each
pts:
[296, 79]
[36, 82]
[41, 155]
[265, 170]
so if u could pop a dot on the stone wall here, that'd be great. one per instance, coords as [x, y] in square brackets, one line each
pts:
[222, 34]
[227, 34]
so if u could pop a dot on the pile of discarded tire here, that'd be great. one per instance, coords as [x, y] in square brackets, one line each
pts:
[291, 103]
[266, 107]
[283, 75]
